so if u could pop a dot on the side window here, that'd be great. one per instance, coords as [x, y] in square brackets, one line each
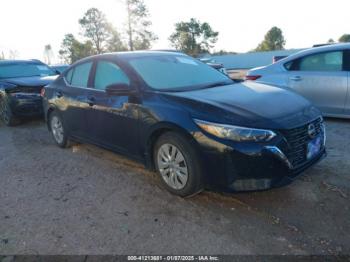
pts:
[80, 75]
[330, 61]
[108, 73]
[289, 65]
[346, 59]
[69, 75]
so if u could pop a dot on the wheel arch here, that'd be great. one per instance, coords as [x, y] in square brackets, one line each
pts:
[156, 132]
[50, 109]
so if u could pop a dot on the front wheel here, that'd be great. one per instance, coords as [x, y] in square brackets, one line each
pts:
[6, 114]
[57, 129]
[178, 164]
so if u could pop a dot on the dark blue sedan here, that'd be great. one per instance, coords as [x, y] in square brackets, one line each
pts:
[184, 119]
[20, 84]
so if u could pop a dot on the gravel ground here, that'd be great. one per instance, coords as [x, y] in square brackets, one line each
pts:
[86, 200]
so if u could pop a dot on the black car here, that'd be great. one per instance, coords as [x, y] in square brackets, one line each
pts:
[20, 84]
[186, 120]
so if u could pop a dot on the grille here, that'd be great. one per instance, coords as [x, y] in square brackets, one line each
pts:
[298, 139]
[26, 89]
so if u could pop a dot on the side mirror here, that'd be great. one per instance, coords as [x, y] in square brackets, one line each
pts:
[119, 89]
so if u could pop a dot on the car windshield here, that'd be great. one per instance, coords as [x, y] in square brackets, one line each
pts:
[25, 70]
[177, 73]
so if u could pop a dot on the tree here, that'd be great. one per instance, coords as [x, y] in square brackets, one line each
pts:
[224, 52]
[48, 54]
[95, 28]
[331, 41]
[344, 38]
[138, 25]
[274, 40]
[193, 37]
[115, 43]
[72, 50]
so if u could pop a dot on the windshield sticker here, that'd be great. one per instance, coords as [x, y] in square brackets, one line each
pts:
[185, 60]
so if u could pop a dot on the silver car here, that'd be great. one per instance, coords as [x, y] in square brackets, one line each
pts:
[321, 74]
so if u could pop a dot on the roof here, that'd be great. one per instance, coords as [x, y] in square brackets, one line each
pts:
[129, 55]
[251, 60]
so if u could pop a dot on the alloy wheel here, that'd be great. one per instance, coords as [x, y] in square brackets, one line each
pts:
[172, 166]
[57, 129]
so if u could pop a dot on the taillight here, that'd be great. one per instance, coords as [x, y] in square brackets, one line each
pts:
[42, 92]
[252, 78]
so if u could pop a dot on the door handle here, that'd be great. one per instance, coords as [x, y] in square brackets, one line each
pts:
[296, 78]
[59, 94]
[91, 101]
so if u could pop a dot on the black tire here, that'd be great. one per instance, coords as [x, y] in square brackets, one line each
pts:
[64, 142]
[194, 184]
[6, 114]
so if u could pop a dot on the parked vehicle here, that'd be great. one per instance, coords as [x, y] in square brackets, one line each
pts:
[20, 84]
[320, 74]
[187, 121]
[213, 64]
[59, 68]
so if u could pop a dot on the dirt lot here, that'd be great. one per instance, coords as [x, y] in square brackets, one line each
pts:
[85, 200]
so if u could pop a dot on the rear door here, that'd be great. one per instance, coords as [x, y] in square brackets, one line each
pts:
[322, 79]
[113, 119]
[73, 99]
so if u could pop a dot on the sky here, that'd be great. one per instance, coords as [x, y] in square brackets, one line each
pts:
[27, 26]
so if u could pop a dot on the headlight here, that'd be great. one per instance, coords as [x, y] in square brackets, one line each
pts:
[236, 133]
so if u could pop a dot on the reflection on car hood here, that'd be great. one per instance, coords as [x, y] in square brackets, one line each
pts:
[250, 103]
[39, 81]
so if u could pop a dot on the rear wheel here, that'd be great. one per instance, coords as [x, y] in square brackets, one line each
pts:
[57, 129]
[6, 114]
[178, 164]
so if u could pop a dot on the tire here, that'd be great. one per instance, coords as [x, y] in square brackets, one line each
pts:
[6, 114]
[178, 164]
[58, 131]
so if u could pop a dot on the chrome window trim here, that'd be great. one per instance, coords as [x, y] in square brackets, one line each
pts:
[86, 88]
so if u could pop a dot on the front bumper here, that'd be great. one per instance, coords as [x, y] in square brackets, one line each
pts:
[25, 105]
[253, 167]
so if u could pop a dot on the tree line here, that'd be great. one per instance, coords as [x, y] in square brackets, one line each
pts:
[100, 36]
[191, 37]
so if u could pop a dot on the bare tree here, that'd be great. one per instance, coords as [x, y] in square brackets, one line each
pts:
[138, 25]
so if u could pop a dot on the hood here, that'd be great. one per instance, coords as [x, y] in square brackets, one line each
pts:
[248, 104]
[35, 81]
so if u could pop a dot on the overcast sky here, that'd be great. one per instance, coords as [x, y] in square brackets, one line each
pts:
[27, 26]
